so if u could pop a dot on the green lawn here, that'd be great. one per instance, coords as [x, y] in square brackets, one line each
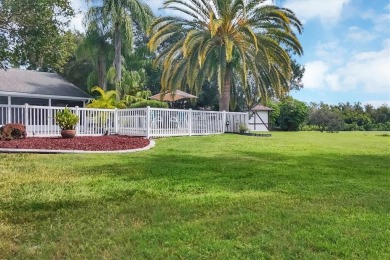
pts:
[294, 195]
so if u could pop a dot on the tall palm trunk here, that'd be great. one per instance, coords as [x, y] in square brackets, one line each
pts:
[118, 54]
[102, 71]
[224, 98]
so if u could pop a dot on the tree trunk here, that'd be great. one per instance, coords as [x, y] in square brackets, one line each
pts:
[102, 72]
[118, 54]
[224, 98]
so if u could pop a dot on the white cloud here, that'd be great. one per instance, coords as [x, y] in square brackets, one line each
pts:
[315, 74]
[332, 52]
[333, 81]
[328, 11]
[357, 34]
[367, 71]
[377, 103]
[381, 21]
[77, 22]
[371, 70]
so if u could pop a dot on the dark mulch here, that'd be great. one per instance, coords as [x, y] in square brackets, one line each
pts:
[85, 143]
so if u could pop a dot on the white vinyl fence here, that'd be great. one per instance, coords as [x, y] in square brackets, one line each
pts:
[148, 122]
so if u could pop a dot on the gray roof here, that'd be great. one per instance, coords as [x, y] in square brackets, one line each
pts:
[38, 83]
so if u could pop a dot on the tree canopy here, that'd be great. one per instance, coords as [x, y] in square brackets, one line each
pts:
[32, 33]
[226, 41]
[118, 17]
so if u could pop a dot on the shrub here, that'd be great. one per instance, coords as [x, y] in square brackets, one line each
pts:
[242, 128]
[353, 127]
[12, 131]
[151, 103]
[310, 128]
[66, 120]
[292, 114]
[381, 127]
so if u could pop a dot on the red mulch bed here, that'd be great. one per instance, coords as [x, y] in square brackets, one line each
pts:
[85, 143]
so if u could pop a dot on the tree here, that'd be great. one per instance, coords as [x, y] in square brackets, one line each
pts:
[226, 41]
[292, 114]
[378, 115]
[97, 49]
[354, 115]
[326, 119]
[298, 71]
[32, 33]
[274, 115]
[142, 60]
[131, 81]
[77, 69]
[250, 96]
[119, 15]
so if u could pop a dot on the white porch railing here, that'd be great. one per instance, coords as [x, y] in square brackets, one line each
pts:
[148, 122]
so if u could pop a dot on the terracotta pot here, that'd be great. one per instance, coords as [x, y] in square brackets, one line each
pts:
[68, 133]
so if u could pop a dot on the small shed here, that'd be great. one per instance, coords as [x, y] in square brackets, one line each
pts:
[18, 87]
[259, 118]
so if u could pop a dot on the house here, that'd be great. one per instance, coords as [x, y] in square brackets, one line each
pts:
[18, 87]
[259, 118]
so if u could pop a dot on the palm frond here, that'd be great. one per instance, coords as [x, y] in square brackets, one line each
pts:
[246, 38]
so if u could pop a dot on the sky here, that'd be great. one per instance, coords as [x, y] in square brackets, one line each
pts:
[346, 48]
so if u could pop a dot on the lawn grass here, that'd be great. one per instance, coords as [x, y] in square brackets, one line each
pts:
[293, 195]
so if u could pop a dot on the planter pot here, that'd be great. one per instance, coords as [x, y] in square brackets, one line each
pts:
[68, 133]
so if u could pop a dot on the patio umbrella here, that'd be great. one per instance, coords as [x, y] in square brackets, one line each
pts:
[172, 96]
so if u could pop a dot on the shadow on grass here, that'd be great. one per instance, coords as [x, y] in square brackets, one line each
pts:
[216, 198]
[263, 171]
[173, 176]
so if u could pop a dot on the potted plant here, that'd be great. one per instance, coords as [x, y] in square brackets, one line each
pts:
[67, 121]
[243, 128]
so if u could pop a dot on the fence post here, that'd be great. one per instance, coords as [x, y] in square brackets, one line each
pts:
[8, 114]
[8, 110]
[148, 122]
[78, 122]
[224, 121]
[190, 121]
[26, 117]
[116, 127]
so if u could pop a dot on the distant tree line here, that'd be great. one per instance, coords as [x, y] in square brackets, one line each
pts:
[292, 115]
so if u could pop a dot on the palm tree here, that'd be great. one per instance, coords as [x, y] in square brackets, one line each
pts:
[96, 48]
[227, 41]
[119, 15]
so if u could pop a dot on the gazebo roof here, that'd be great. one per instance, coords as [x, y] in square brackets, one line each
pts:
[261, 108]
